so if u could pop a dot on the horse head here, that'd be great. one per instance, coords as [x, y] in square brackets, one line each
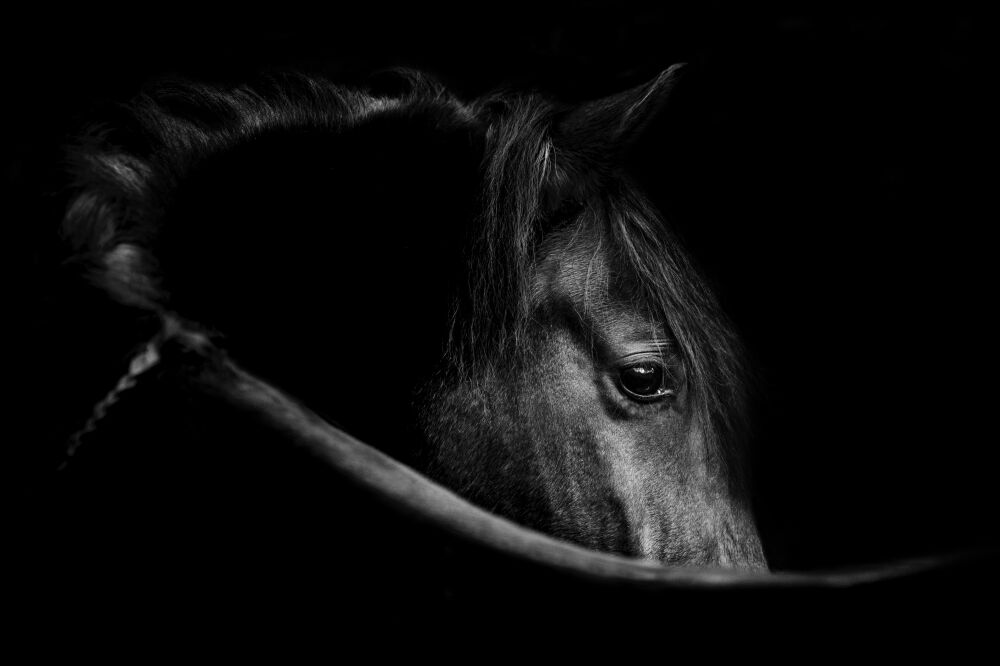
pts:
[595, 389]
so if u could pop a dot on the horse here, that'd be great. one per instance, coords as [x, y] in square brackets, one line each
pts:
[478, 288]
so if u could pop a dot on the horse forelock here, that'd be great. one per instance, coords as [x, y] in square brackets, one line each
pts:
[672, 291]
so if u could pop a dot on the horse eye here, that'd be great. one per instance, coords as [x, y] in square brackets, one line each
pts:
[645, 382]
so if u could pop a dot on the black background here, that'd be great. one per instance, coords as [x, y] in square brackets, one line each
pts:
[827, 167]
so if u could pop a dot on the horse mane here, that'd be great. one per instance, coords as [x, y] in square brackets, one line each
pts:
[125, 171]
[130, 184]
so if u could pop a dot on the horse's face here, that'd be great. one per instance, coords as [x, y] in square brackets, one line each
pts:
[591, 427]
[591, 432]
[606, 404]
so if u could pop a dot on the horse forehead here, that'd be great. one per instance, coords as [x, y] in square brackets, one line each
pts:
[571, 266]
[574, 270]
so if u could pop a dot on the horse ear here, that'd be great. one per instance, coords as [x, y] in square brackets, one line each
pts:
[601, 130]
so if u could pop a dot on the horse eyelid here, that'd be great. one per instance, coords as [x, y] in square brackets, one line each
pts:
[664, 356]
